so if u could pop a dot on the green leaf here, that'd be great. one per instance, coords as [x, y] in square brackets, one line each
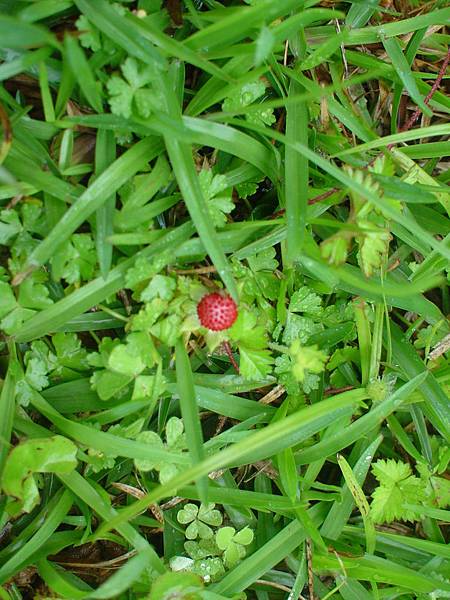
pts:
[244, 536]
[306, 301]
[152, 439]
[373, 248]
[7, 299]
[33, 293]
[306, 358]
[218, 200]
[131, 358]
[246, 332]
[263, 261]
[124, 92]
[82, 72]
[160, 286]
[402, 68]
[89, 35]
[108, 384]
[248, 94]
[182, 586]
[264, 45]
[16, 34]
[397, 487]
[56, 454]
[224, 537]
[208, 515]
[174, 433]
[75, 260]
[255, 364]
[69, 351]
[187, 514]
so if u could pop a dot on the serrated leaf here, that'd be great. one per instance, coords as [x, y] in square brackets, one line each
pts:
[263, 261]
[390, 470]
[397, 487]
[305, 300]
[10, 225]
[133, 357]
[160, 286]
[306, 359]
[255, 364]
[69, 351]
[125, 361]
[373, 249]
[75, 260]
[335, 249]
[246, 332]
[33, 293]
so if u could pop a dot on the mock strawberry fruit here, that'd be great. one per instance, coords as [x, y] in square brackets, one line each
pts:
[216, 311]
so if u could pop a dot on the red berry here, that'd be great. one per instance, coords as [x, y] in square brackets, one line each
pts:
[217, 311]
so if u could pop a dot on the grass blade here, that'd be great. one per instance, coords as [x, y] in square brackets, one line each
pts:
[296, 177]
[362, 426]
[435, 405]
[341, 510]
[82, 72]
[7, 407]
[189, 412]
[105, 154]
[394, 51]
[58, 508]
[361, 502]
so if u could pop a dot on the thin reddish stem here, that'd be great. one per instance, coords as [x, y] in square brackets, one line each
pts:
[416, 114]
[229, 352]
[334, 391]
[314, 200]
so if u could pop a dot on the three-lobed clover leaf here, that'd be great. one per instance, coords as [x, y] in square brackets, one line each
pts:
[233, 544]
[198, 520]
[209, 569]
[202, 548]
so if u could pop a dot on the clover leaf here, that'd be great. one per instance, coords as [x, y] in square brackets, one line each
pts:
[199, 519]
[202, 548]
[233, 544]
